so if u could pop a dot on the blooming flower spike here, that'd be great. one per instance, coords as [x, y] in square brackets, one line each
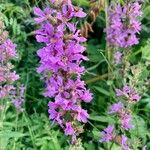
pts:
[61, 58]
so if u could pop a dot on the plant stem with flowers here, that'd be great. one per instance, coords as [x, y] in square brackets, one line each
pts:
[9, 94]
[60, 65]
[122, 33]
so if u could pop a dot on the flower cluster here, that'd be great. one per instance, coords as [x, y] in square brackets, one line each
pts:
[60, 64]
[122, 33]
[7, 53]
[118, 57]
[129, 93]
[124, 143]
[124, 114]
[109, 135]
[18, 97]
[124, 24]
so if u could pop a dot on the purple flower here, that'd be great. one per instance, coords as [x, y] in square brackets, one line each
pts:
[116, 108]
[18, 97]
[60, 61]
[79, 13]
[69, 129]
[7, 76]
[107, 134]
[119, 92]
[52, 110]
[144, 147]
[12, 76]
[42, 15]
[124, 143]
[82, 115]
[5, 90]
[118, 57]
[125, 118]
[68, 11]
[7, 50]
[124, 24]
[86, 96]
[129, 93]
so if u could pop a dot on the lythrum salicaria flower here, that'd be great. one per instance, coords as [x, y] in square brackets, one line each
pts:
[124, 24]
[122, 31]
[7, 76]
[116, 108]
[60, 61]
[125, 119]
[129, 93]
[124, 143]
[107, 134]
[117, 57]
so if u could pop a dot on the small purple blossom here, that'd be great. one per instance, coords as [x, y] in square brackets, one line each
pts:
[116, 108]
[107, 134]
[144, 147]
[129, 93]
[18, 97]
[41, 15]
[69, 129]
[117, 57]
[7, 76]
[124, 143]
[82, 115]
[125, 119]
[5, 91]
[7, 50]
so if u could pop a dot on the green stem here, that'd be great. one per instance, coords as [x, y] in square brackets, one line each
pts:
[5, 106]
[93, 125]
[16, 122]
[97, 78]
[111, 145]
[107, 25]
[30, 130]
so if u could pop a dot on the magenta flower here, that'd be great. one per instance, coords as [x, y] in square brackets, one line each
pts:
[7, 76]
[5, 91]
[124, 24]
[18, 98]
[7, 50]
[82, 115]
[69, 129]
[60, 61]
[116, 108]
[122, 30]
[42, 15]
[129, 93]
[107, 134]
[118, 57]
[124, 143]
[125, 118]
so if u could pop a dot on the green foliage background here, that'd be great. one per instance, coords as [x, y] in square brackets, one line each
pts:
[32, 129]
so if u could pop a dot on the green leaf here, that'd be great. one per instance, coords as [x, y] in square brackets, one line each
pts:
[103, 119]
[10, 134]
[101, 90]
[114, 146]
[146, 51]
[3, 143]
